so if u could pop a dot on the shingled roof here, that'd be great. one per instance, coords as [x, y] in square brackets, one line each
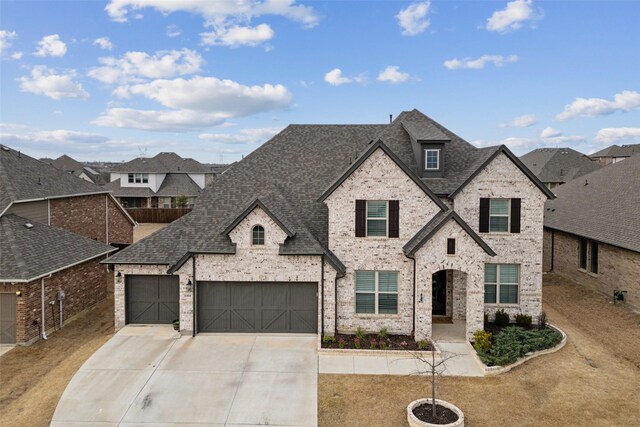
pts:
[289, 173]
[603, 205]
[558, 164]
[162, 163]
[30, 250]
[617, 151]
[25, 178]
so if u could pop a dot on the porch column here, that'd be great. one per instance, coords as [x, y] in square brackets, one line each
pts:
[475, 302]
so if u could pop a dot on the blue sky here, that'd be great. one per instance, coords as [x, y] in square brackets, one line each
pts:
[214, 80]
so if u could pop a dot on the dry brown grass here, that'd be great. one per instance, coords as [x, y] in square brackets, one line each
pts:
[33, 378]
[594, 380]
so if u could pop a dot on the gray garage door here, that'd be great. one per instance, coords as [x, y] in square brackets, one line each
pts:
[152, 299]
[7, 318]
[257, 307]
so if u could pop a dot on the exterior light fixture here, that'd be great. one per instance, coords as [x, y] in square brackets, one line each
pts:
[119, 274]
[18, 293]
[189, 283]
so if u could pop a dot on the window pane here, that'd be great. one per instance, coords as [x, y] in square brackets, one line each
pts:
[490, 294]
[130, 177]
[145, 178]
[258, 235]
[490, 275]
[388, 281]
[376, 227]
[499, 207]
[365, 281]
[376, 209]
[365, 303]
[388, 303]
[583, 253]
[508, 294]
[594, 257]
[431, 159]
[508, 273]
[499, 223]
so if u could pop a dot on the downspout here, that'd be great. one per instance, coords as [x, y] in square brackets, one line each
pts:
[413, 316]
[335, 306]
[194, 290]
[322, 295]
[44, 327]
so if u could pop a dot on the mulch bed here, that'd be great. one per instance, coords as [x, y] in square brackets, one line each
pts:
[443, 415]
[373, 342]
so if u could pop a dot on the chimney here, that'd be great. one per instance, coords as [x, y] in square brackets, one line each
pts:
[390, 118]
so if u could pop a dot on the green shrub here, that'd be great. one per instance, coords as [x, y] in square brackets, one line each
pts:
[523, 320]
[359, 333]
[341, 343]
[356, 343]
[383, 334]
[423, 345]
[328, 339]
[373, 344]
[482, 341]
[513, 342]
[502, 318]
[383, 345]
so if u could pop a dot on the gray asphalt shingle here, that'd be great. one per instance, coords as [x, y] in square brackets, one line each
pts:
[558, 164]
[162, 163]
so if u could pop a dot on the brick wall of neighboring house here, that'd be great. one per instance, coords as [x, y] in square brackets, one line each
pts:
[617, 268]
[85, 215]
[84, 285]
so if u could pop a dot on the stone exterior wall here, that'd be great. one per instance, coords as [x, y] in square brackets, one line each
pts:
[459, 295]
[546, 249]
[86, 216]
[84, 285]
[378, 178]
[502, 179]
[617, 268]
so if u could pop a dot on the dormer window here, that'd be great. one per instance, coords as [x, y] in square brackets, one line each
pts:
[432, 159]
[257, 235]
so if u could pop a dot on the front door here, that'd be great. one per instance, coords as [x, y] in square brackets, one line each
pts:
[439, 293]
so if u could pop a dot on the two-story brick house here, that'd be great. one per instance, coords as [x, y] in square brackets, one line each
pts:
[326, 228]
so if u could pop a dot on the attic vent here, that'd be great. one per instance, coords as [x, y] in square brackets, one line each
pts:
[28, 225]
[5, 148]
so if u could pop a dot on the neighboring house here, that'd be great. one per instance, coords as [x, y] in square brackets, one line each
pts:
[592, 230]
[159, 181]
[75, 168]
[615, 153]
[327, 228]
[555, 166]
[54, 230]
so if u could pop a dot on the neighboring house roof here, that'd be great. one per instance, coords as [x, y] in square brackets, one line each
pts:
[617, 151]
[290, 173]
[436, 223]
[28, 252]
[603, 205]
[558, 164]
[178, 184]
[25, 178]
[162, 163]
[68, 164]
[217, 168]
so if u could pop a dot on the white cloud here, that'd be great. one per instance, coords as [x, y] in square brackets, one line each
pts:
[244, 136]
[104, 43]
[238, 36]
[521, 121]
[414, 19]
[5, 39]
[513, 16]
[613, 135]
[511, 142]
[335, 78]
[479, 63]
[132, 66]
[17, 55]
[591, 107]
[51, 46]
[173, 31]
[159, 120]
[550, 132]
[46, 81]
[392, 74]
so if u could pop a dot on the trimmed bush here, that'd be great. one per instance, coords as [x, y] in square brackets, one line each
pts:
[514, 342]
[359, 333]
[423, 344]
[502, 318]
[328, 339]
[524, 321]
[482, 341]
[383, 334]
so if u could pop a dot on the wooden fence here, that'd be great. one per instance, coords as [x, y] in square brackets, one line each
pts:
[163, 215]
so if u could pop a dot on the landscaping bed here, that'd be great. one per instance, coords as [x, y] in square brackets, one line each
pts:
[444, 415]
[376, 341]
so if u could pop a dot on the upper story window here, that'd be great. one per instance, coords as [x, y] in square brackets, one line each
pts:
[377, 218]
[499, 215]
[138, 178]
[257, 235]
[431, 159]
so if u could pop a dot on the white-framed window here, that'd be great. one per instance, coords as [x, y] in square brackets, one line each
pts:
[498, 215]
[377, 292]
[138, 178]
[257, 235]
[165, 202]
[501, 282]
[377, 218]
[431, 159]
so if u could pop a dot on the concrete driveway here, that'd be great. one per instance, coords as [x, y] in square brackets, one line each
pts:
[151, 375]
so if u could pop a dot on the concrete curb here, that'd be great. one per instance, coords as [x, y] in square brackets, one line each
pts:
[373, 353]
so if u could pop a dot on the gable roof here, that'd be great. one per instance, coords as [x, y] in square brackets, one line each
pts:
[68, 164]
[257, 204]
[558, 164]
[25, 178]
[28, 253]
[372, 149]
[435, 224]
[165, 162]
[178, 184]
[627, 150]
[603, 205]
[422, 130]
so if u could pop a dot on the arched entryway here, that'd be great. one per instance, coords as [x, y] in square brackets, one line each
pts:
[449, 304]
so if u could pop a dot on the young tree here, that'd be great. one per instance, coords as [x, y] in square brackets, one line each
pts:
[182, 201]
[429, 365]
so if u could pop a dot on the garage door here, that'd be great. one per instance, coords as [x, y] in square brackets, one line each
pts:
[257, 307]
[152, 299]
[7, 318]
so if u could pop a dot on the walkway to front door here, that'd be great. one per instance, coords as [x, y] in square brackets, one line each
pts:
[151, 375]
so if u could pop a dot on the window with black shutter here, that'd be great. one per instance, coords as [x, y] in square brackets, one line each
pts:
[515, 215]
[394, 218]
[361, 218]
[451, 246]
[484, 215]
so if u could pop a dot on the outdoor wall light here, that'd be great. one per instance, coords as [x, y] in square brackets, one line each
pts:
[18, 293]
[189, 283]
[421, 299]
[119, 274]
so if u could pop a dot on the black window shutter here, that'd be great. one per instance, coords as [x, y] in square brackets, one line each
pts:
[451, 246]
[394, 218]
[484, 215]
[515, 215]
[361, 217]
